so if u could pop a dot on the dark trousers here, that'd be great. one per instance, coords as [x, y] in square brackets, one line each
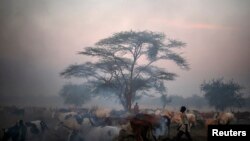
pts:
[181, 133]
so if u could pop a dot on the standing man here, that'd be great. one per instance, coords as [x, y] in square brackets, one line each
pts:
[184, 127]
[22, 130]
[136, 108]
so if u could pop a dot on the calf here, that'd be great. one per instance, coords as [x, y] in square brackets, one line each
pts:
[37, 126]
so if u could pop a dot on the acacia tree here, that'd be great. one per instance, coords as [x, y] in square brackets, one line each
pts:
[125, 65]
[75, 94]
[222, 94]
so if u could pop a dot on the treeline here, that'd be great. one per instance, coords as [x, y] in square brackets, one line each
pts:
[194, 101]
[199, 102]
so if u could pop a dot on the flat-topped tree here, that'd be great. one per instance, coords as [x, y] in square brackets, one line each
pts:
[125, 65]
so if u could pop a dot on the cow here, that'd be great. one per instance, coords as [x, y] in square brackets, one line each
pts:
[100, 112]
[149, 127]
[37, 126]
[225, 117]
[23, 130]
[176, 118]
[222, 118]
[95, 133]
[70, 120]
[210, 121]
[36, 129]
[191, 119]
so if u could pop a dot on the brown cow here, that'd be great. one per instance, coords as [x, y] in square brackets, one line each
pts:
[149, 127]
[142, 125]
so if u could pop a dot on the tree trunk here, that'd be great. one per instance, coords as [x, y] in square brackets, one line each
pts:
[129, 106]
[128, 102]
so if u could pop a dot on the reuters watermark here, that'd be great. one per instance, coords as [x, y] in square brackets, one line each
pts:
[241, 132]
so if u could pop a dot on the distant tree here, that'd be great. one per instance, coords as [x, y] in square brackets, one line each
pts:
[125, 66]
[222, 94]
[177, 100]
[247, 102]
[75, 95]
[197, 101]
[165, 100]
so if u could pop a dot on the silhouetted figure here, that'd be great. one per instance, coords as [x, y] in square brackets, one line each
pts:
[23, 130]
[136, 108]
[184, 127]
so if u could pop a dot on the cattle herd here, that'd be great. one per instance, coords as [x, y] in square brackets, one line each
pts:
[100, 124]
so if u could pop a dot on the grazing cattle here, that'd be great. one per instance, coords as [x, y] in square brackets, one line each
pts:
[158, 112]
[62, 115]
[198, 116]
[101, 112]
[147, 111]
[167, 113]
[70, 120]
[15, 133]
[90, 133]
[36, 129]
[191, 119]
[210, 121]
[126, 133]
[37, 126]
[141, 129]
[108, 121]
[98, 121]
[225, 117]
[220, 118]
[176, 119]
[75, 121]
[106, 133]
[21, 131]
[149, 127]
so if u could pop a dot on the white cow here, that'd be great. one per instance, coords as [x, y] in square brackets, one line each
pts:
[70, 120]
[225, 117]
[91, 133]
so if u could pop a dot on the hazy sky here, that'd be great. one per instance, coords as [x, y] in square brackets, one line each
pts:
[40, 38]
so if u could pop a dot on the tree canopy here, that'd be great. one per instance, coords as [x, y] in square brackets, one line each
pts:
[126, 65]
[222, 94]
